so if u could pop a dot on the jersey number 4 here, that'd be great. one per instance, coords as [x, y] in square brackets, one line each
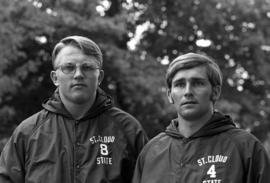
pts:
[212, 172]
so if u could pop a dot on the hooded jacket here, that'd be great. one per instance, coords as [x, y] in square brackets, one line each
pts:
[51, 146]
[217, 153]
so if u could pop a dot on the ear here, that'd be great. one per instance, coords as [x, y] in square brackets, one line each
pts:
[216, 93]
[100, 77]
[54, 78]
[169, 95]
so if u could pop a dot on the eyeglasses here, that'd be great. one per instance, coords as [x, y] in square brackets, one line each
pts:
[70, 68]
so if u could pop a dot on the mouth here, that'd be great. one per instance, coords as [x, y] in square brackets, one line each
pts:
[78, 85]
[188, 103]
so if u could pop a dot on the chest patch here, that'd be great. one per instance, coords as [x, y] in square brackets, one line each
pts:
[103, 142]
[210, 164]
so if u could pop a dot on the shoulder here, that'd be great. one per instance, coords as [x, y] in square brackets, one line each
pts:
[123, 118]
[129, 127]
[245, 142]
[252, 152]
[240, 135]
[28, 126]
[157, 144]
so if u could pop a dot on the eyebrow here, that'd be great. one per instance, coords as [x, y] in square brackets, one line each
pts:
[192, 79]
[199, 79]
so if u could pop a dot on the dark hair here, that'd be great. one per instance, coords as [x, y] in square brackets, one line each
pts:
[87, 46]
[191, 60]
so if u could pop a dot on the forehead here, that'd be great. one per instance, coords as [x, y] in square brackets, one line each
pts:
[199, 72]
[72, 54]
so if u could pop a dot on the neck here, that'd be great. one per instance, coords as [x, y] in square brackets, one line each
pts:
[78, 111]
[188, 127]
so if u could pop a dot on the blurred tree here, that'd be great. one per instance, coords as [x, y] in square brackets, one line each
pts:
[235, 32]
[22, 61]
[30, 30]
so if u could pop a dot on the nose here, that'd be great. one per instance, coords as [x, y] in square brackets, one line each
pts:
[78, 73]
[188, 90]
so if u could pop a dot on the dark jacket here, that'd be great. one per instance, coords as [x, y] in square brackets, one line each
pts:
[217, 153]
[52, 147]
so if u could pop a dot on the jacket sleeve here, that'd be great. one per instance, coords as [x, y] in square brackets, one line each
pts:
[136, 139]
[137, 143]
[140, 163]
[259, 165]
[12, 160]
[138, 169]
[140, 142]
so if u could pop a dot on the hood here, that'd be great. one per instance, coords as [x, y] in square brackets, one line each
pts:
[102, 103]
[217, 124]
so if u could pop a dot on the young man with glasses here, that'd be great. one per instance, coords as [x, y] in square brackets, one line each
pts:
[79, 136]
[201, 145]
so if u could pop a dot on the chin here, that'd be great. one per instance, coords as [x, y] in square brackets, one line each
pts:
[80, 99]
[191, 115]
[194, 115]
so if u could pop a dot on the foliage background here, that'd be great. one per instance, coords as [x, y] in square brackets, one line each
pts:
[138, 38]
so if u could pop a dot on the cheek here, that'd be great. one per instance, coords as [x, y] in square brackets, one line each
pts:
[63, 81]
[206, 95]
[176, 94]
[93, 79]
